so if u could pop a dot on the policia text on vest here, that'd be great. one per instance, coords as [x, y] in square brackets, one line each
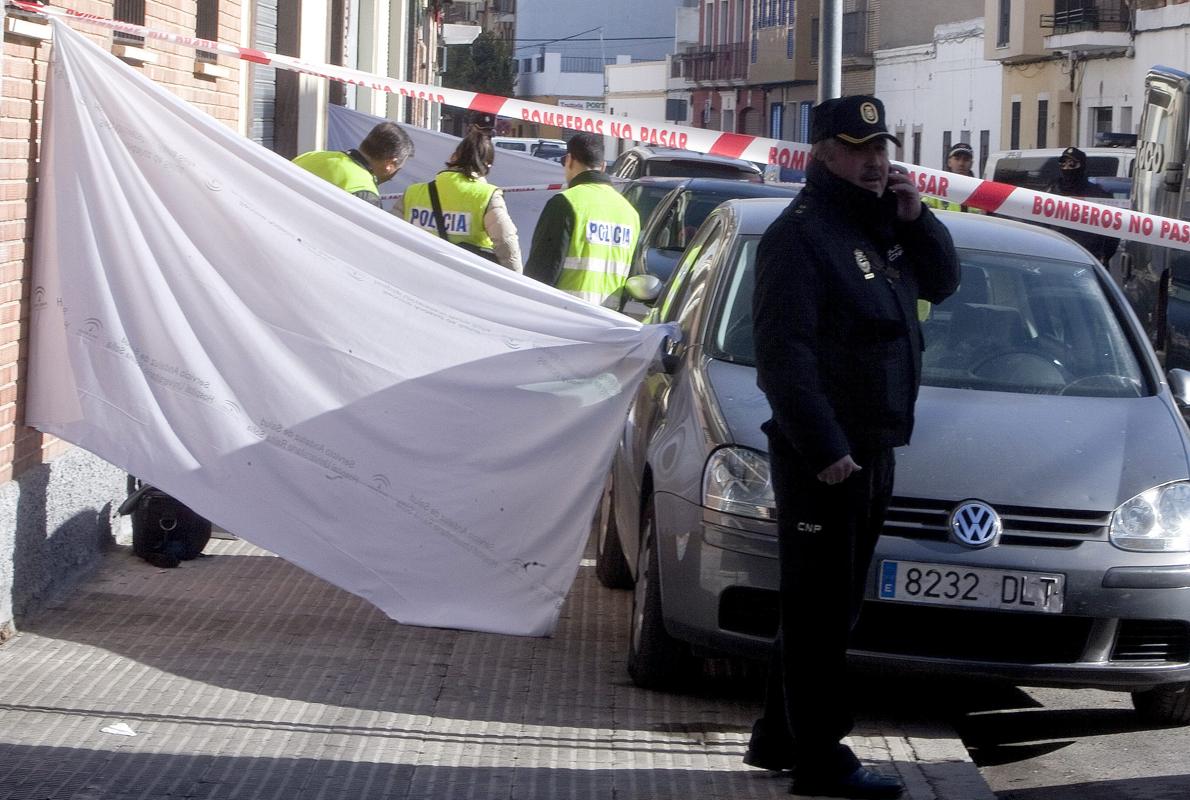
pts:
[464, 202]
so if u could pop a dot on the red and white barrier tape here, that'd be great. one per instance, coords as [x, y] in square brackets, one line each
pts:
[1003, 199]
[542, 187]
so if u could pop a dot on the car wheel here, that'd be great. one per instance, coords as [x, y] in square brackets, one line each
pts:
[1164, 705]
[611, 568]
[655, 659]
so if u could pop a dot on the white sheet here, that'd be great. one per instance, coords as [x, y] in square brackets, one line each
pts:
[413, 424]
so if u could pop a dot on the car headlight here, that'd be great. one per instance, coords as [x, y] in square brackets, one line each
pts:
[736, 480]
[1154, 521]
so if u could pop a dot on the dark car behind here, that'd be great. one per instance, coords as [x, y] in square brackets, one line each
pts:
[643, 160]
[673, 222]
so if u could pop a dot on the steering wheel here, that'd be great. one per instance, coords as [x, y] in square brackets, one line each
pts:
[1106, 385]
[1023, 367]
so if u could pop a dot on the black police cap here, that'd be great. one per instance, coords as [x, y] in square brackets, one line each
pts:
[855, 120]
[1074, 154]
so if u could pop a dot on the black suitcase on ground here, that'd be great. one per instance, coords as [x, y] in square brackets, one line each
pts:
[164, 531]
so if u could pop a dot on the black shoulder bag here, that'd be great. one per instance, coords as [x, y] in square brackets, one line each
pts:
[440, 221]
[164, 531]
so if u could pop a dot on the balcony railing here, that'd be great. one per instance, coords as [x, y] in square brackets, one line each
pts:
[1110, 16]
[726, 62]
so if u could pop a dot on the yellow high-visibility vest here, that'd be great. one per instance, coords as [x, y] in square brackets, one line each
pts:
[601, 244]
[464, 202]
[340, 169]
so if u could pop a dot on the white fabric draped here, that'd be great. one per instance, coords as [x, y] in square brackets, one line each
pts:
[416, 425]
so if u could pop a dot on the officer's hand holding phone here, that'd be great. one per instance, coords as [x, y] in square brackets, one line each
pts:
[901, 186]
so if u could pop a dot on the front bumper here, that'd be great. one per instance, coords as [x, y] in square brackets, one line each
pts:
[1125, 625]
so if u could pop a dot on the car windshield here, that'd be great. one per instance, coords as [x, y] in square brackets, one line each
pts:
[1017, 324]
[699, 206]
[679, 168]
[644, 197]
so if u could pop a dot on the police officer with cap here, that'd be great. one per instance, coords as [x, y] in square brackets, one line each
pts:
[1072, 182]
[958, 161]
[838, 355]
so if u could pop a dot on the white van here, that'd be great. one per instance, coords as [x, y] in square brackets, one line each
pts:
[1110, 167]
[526, 145]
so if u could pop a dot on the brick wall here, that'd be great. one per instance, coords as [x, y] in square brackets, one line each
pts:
[25, 64]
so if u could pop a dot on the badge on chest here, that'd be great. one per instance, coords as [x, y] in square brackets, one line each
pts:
[865, 266]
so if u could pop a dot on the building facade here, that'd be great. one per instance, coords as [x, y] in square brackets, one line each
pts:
[754, 69]
[937, 86]
[1074, 69]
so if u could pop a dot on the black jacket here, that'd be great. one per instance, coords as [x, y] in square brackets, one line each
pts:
[1102, 247]
[838, 345]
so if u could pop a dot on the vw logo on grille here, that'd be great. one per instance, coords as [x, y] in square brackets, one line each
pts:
[975, 524]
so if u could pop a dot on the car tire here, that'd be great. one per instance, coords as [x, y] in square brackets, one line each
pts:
[656, 660]
[1164, 705]
[611, 567]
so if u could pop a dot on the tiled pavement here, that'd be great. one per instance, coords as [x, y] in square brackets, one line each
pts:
[243, 677]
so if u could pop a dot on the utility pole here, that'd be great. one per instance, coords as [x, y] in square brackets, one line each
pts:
[830, 50]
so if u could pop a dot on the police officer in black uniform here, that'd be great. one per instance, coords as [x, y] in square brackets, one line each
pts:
[1072, 182]
[838, 355]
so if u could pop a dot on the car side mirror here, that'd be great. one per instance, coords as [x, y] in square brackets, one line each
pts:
[644, 288]
[1179, 386]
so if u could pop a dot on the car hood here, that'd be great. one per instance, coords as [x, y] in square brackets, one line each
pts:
[1086, 453]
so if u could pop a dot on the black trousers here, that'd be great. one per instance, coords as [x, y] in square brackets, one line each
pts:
[827, 536]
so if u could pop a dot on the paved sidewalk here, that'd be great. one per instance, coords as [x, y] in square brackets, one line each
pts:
[243, 677]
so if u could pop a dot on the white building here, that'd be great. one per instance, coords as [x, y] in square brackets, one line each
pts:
[1112, 89]
[637, 91]
[942, 92]
[554, 75]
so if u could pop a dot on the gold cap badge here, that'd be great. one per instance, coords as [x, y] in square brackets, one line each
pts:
[869, 114]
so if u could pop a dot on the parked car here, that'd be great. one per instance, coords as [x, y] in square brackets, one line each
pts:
[1043, 413]
[674, 221]
[645, 193]
[643, 160]
[548, 151]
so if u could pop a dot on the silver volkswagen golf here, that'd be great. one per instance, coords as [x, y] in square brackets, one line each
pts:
[1040, 528]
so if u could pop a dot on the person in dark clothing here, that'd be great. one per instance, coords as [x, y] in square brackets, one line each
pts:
[584, 238]
[1072, 182]
[838, 355]
[381, 154]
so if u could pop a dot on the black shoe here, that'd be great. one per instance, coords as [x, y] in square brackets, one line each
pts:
[768, 757]
[863, 784]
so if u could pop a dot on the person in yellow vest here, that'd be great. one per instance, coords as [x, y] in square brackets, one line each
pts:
[383, 151]
[958, 161]
[584, 239]
[468, 210]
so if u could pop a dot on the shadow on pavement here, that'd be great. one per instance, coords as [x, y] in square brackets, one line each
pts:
[1166, 787]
